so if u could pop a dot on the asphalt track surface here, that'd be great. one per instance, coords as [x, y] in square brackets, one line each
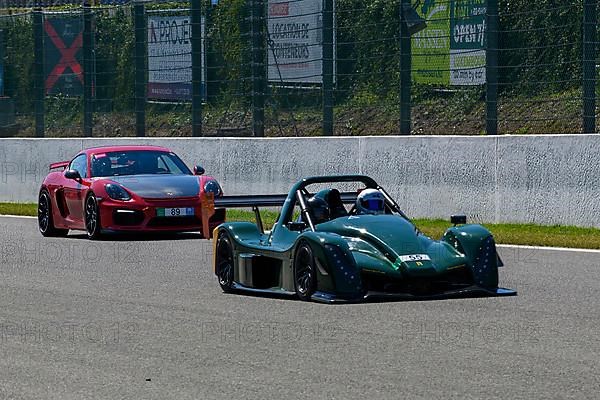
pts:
[145, 319]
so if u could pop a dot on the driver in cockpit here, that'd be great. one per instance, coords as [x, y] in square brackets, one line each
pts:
[370, 201]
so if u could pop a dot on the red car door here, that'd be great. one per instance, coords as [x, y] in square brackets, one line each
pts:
[74, 191]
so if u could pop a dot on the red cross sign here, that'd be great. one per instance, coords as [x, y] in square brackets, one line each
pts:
[67, 56]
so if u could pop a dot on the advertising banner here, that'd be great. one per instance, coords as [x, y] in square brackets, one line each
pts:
[431, 46]
[451, 50]
[295, 33]
[467, 42]
[170, 58]
[63, 37]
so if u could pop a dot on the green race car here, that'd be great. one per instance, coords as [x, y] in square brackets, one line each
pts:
[343, 238]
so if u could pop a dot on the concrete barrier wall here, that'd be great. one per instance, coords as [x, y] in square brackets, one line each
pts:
[533, 179]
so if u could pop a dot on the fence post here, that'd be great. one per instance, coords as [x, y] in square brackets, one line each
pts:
[258, 67]
[139, 25]
[405, 71]
[491, 75]
[328, 67]
[2, 55]
[590, 26]
[38, 71]
[88, 69]
[196, 67]
[208, 52]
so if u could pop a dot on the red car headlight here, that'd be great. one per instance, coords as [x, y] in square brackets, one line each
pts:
[213, 187]
[116, 192]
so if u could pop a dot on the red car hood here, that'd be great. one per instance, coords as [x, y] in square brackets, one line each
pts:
[160, 186]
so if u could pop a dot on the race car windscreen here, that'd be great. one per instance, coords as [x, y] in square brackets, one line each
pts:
[138, 162]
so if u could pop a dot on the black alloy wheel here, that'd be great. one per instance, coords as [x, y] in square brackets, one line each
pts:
[92, 218]
[224, 262]
[305, 274]
[45, 222]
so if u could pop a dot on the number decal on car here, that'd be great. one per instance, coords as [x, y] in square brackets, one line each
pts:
[174, 212]
[415, 257]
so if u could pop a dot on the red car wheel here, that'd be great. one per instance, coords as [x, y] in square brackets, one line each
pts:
[92, 218]
[45, 221]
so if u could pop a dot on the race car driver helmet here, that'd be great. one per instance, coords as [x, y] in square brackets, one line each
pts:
[370, 201]
[319, 209]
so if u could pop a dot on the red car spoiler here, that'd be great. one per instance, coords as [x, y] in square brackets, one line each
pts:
[61, 164]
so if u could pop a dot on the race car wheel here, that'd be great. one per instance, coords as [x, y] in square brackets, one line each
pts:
[45, 222]
[224, 262]
[92, 218]
[305, 274]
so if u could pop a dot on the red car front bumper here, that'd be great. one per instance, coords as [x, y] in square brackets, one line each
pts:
[144, 215]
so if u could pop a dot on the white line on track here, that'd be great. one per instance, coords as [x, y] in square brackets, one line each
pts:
[505, 246]
[518, 246]
[17, 216]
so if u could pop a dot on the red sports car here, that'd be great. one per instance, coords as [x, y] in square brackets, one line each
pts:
[125, 188]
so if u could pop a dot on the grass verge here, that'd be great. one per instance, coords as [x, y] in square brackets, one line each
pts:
[26, 209]
[523, 234]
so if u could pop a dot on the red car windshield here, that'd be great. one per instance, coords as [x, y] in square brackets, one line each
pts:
[137, 162]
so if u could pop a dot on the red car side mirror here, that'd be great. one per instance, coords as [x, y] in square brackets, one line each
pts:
[198, 170]
[72, 174]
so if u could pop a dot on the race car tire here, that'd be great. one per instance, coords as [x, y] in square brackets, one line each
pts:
[305, 272]
[92, 218]
[45, 220]
[224, 260]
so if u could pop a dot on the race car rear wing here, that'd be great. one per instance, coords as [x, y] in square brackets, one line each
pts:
[60, 164]
[259, 200]
[209, 203]
[252, 201]
[266, 200]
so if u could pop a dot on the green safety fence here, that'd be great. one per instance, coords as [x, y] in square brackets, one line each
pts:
[297, 67]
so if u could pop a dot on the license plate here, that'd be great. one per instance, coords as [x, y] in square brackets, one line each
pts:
[415, 257]
[174, 212]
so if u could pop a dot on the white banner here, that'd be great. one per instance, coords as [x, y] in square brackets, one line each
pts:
[295, 49]
[170, 57]
[467, 67]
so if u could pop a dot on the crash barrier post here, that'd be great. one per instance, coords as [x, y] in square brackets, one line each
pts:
[196, 67]
[590, 46]
[257, 21]
[491, 77]
[38, 71]
[405, 71]
[328, 67]
[88, 68]
[139, 25]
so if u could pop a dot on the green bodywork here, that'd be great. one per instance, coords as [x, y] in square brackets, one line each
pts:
[352, 249]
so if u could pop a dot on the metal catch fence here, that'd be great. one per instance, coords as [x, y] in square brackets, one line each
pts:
[297, 67]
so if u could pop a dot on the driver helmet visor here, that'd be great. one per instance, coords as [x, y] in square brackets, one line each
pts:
[373, 204]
